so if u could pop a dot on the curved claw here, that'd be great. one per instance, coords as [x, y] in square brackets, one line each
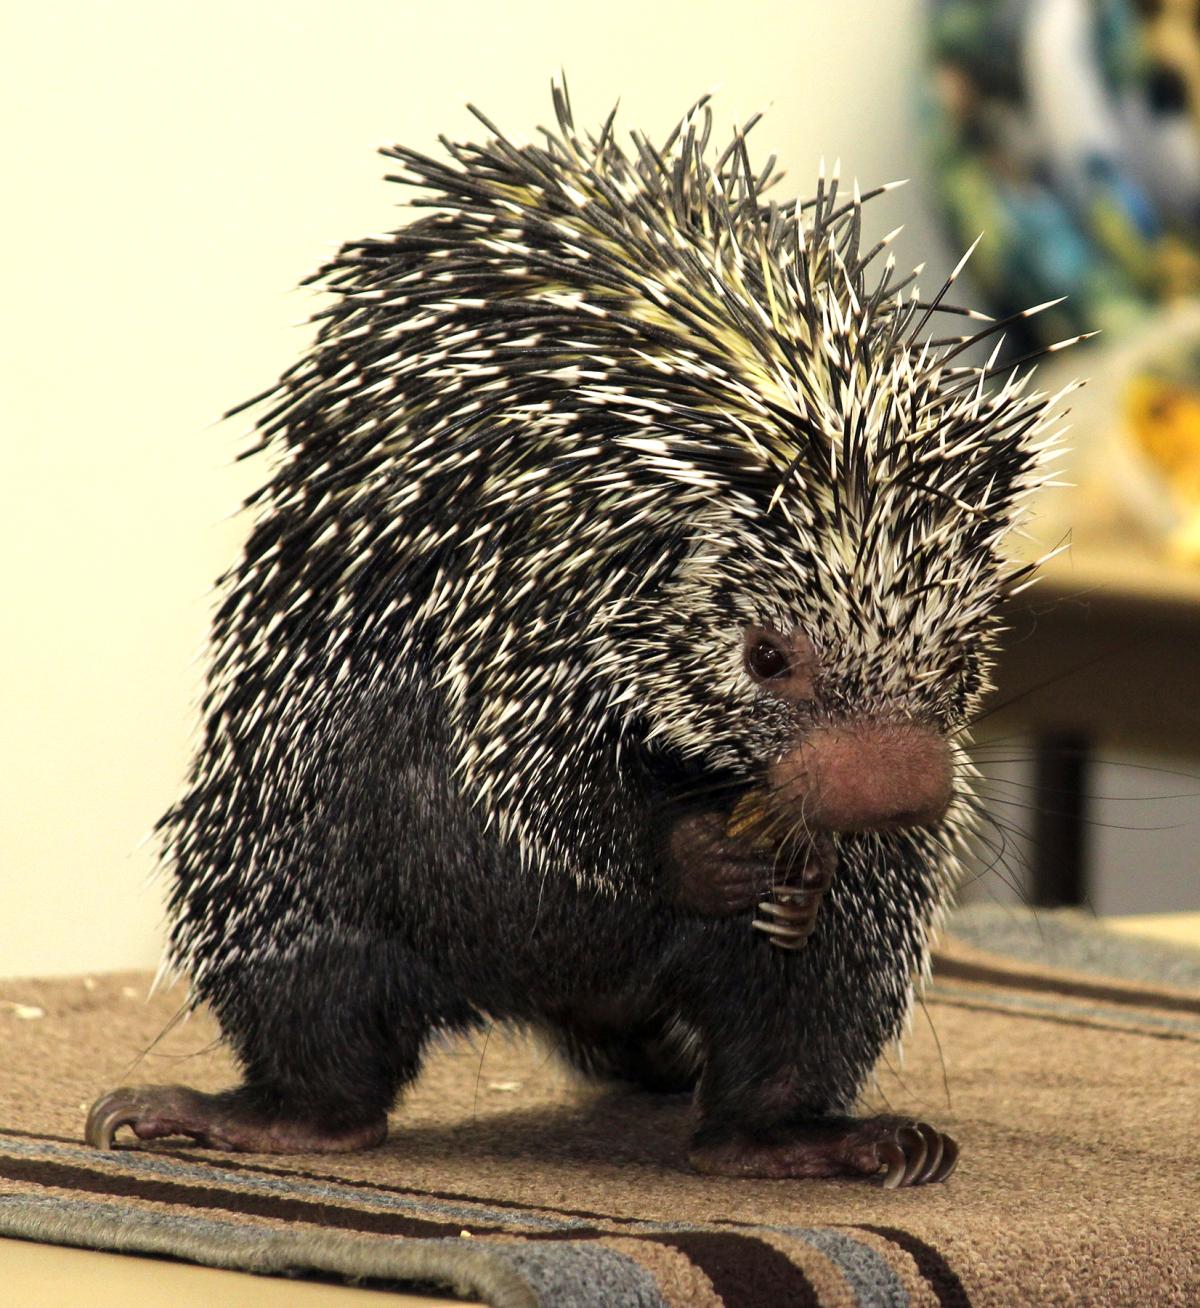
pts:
[934, 1148]
[917, 1155]
[788, 910]
[784, 937]
[893, 1157]
[949, 1159]
[789, 915]
[915, 1151]
[108, 1114]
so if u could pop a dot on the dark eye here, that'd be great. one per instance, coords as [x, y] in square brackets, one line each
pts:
[766, 661]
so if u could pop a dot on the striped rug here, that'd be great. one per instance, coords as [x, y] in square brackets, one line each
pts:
[1073, 1088]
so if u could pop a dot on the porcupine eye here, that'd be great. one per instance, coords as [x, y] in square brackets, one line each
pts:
[766, 661]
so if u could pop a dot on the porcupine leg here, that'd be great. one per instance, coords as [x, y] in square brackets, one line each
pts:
[775, 1086]
[326, 1038]
[709, 874]
[650, 1053]
[712, 875]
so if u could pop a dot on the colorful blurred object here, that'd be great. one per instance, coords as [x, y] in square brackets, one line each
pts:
[1162, 420]
[1068, 131]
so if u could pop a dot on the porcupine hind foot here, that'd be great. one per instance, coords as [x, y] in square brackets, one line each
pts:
[325, 1037]
[913, 1153]
[230, 1120]
[777, 1075]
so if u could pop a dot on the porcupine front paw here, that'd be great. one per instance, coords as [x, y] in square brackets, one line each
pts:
[714, 874]
[719, 870]
[913, 1153]
[221, 1121]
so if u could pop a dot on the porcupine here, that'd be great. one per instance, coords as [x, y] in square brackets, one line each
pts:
[626, 580]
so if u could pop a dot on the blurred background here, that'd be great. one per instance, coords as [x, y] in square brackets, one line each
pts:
[174, 171]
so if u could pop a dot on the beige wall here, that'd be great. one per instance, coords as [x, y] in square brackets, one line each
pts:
[171, 171]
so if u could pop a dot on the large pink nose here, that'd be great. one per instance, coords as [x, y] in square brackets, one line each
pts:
[867, 776]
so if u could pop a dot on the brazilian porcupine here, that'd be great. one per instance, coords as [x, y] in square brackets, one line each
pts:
[627, 578]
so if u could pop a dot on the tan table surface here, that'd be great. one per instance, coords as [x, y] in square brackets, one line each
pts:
[1109, 552]
[49, 1276]
[1176, 928]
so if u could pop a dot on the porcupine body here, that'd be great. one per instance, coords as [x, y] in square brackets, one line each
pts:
[560, 444]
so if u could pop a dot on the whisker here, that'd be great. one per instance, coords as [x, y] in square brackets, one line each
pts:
[1087, 794]
[1029, 807]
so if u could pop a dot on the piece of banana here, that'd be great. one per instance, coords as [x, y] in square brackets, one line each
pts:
[749, 812]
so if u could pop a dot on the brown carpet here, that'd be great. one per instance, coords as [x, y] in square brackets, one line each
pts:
[1074, 1095]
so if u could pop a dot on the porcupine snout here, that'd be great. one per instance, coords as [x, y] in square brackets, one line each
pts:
[866, 775]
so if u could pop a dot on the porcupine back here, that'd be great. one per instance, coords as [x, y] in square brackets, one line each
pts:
[555, 439]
